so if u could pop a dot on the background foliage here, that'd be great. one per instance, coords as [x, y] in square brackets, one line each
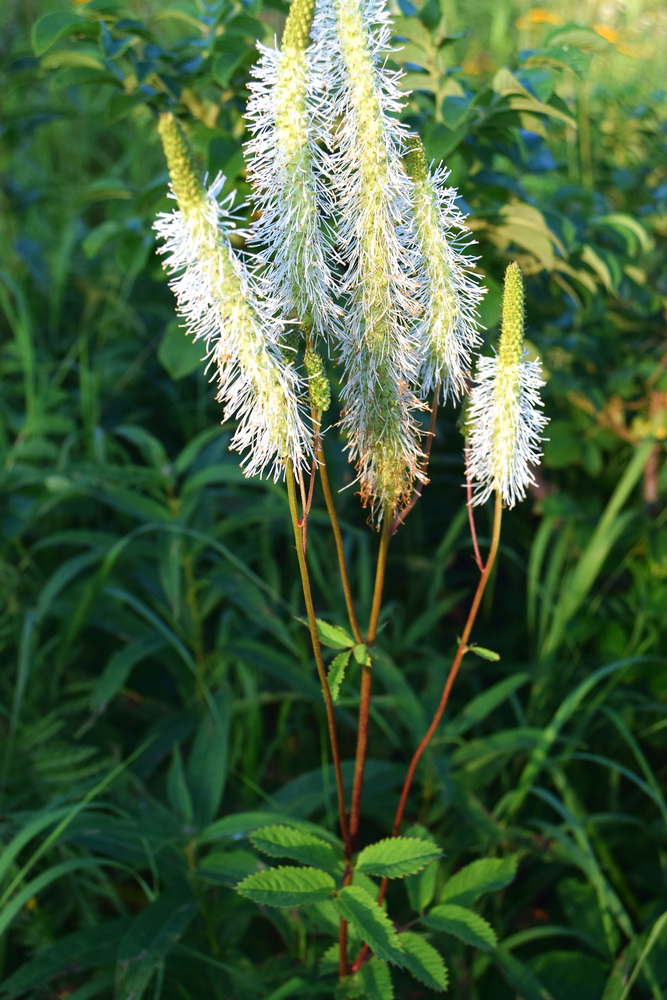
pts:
[158, 701]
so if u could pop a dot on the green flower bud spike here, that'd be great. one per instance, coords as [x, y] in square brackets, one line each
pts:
[188, 189]
[318, 383]
[297, 25]
[510, 349]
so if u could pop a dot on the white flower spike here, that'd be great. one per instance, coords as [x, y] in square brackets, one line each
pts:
[504, 421]
[379, 346]
[287, 191]
[449, 289]
[217, 299]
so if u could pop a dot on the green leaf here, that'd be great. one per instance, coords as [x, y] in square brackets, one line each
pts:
[373, 925]
[484, 654]
[35, 886]
[241, 824]
[424, 961]
[87, 949]
[333, 635]
[336, 673]
[207, 764]
[119, 667]
[574, 36]
[361, 654]
[287, 886]
[520, 977]
[288, 842]
[50, 27]
[376, 980]
[148, 940]
[178, 354]
[485, 875]
[223, 867]
[421, 887]
[178, 793]
[467, 926]
[397, 857]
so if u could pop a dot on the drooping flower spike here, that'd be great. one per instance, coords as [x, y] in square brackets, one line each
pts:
[290, 233]
[378, 345]
[219, 303]
[504, 418]
[449, 289]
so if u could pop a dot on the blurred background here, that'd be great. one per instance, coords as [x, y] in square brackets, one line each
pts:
[156, 682]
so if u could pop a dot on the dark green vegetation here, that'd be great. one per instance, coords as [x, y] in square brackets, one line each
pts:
[158, 701]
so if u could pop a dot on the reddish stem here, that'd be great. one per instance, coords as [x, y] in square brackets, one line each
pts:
[462, 649]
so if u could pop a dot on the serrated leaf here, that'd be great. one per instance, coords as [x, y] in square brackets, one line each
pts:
[286, 842]
[376, 980]
[287, 886]
[485, 875]
[423, 961]
[329, 959]
[396, 857]
[373, 925]
[333, 635]
[467, 926]
[336, 673]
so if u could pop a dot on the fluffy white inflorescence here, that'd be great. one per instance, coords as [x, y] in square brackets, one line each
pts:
[220, 304]
[287, 190]
[449, 289]
[504, 419]
[379, 345]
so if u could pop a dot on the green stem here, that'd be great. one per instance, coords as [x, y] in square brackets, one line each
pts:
[338, 537]
[317, 652]
[366, 678]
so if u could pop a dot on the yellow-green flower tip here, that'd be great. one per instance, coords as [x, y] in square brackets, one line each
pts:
[297, 26]
[318, 383]
[510, 350]
[187, 187]
[415, 159]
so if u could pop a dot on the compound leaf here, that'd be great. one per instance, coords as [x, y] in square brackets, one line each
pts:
[484, 875]
[373, 925]
[424, 961]
[397, 857]
[285, 886]
[467, 926]
[288, 842]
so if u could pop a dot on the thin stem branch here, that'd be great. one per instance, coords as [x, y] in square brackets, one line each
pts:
[471, 518]
[460, 653]
[400, 518]
[338, 537]
[366, 678]
[317, 651]
[446, 691]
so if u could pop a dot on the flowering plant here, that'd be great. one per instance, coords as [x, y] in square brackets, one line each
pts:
[358, 252]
